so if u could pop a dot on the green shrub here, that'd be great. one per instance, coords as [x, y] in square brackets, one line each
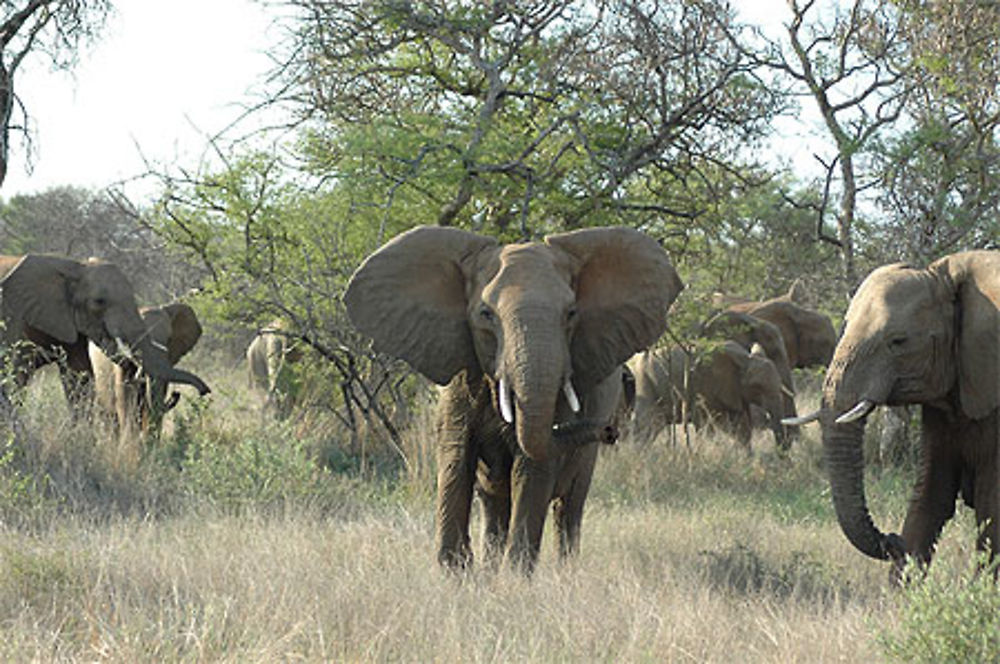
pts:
[947, 617]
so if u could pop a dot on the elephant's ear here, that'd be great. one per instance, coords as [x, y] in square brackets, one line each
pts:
[624, 285]
[976, 277]
[185, 330]
[38, 292]
[410, 298]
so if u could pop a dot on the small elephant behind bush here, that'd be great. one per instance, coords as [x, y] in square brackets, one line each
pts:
[271, 358]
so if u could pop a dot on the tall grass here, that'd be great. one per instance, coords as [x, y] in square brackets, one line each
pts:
[238, 539]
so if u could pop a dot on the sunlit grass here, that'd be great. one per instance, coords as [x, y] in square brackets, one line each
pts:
[689, 553]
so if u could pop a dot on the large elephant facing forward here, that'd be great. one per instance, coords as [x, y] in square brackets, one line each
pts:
[529, 339]
[720, 384]
[930, 337]
[56, 305]
[134, 401]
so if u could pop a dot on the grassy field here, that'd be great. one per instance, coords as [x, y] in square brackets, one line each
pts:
[229, 544]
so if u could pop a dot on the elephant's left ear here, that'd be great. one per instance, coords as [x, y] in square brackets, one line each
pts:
[976, 279]
[624, 284]
[185, 330]
[37, 292]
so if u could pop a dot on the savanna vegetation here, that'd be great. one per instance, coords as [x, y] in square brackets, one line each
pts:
[237, 536]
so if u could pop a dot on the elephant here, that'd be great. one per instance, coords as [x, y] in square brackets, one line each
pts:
[528, 340]
[721, 383]
[52, 306]
[926, 336]
[747, 330]
[136, 402]
[270, 357]
[809, 335]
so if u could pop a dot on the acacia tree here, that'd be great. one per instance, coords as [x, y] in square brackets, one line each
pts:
[512, 119]
[848, 62]
[940, 176]
[47, 29]
[522, 117]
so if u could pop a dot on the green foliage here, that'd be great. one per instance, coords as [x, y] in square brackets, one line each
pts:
[235, 472]
[947, 617]
[22, 494]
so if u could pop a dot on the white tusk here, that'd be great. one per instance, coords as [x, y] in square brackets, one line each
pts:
[787, 392]
[860, 411]
[571, 398]
[505, 410]
[124, 349]
[801, 419]
[157, 345]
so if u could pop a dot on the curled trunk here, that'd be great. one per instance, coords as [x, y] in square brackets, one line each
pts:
[842, 446]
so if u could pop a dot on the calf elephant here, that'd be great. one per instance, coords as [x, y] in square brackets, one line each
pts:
[271, 357]
[808, 335]
[529, 339]
[929, 337]
[53, 306]
[720, 384]
[136, 402]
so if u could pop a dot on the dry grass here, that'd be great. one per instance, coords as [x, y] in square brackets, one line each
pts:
[689, 555]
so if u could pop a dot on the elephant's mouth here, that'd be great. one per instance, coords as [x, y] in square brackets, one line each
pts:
[571, 432]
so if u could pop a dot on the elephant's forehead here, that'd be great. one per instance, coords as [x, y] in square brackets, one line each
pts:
[891, 293]
[528, 268]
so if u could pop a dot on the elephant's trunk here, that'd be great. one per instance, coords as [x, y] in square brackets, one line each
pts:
[155, 363]
[533, 365]
[843, 451]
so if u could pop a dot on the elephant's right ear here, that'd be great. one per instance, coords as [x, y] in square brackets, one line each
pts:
[185, 330]
[37, 292]
[976, 279]
[410, 298]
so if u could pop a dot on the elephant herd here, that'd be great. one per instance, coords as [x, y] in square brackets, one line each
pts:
[531, 342]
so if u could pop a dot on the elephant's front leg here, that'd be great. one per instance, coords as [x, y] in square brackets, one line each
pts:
[568, 508]
[454, 502]
[933, 501]
[987, 484]
[456, 460]
[532, 484]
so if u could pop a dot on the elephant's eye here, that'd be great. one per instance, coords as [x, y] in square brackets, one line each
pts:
[487, 314]
[571, 314]
[897, 342]
[100, 302]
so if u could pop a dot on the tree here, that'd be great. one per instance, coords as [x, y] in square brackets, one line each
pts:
[848, 61]
[79, 223]
[51, 29]
[523, 117]
[940, 175]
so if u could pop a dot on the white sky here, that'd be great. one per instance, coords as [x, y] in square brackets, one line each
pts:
[161, 77]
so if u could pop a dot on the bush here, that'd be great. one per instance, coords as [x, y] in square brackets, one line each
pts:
[947, 617]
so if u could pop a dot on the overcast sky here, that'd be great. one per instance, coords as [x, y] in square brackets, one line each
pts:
[163, 75]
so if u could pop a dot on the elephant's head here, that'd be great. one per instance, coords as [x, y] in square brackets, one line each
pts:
[51, 299]
[763, 388]
[910, 336]
[175, 328]
[545, 321]
[809, 335]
